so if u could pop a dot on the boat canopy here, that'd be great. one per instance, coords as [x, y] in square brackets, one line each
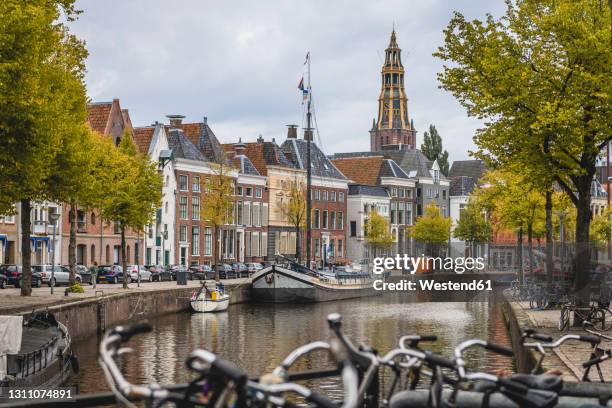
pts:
[11, 331]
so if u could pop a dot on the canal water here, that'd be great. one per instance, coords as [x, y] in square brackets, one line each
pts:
[258, 336]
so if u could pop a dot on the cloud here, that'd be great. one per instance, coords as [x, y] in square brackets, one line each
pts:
[238, 63]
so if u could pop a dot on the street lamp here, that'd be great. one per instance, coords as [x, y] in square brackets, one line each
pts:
[53, 217]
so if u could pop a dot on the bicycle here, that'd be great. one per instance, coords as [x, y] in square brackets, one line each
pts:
[593, 313]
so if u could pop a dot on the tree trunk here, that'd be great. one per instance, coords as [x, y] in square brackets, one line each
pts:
[530, 248]
[26, 252]
[298, 256]
[72, 242]
[216, 251]
[519, 255]
[549, 237]
[126, 275]
[582, 274]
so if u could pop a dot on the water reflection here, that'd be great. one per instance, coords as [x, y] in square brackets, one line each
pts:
[257, 337]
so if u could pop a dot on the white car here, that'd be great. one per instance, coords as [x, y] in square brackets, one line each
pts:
[61, 275]
[145, 275]
[254, 267]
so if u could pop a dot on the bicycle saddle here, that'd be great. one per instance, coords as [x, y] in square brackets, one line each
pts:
[539, 382]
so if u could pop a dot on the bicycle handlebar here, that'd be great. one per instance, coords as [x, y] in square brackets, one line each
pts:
[597, 360]
[415, 339]
[281, 370]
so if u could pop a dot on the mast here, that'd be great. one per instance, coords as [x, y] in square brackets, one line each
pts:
[308, 173]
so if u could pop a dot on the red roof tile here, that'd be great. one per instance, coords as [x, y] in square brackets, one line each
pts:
[362, 170]
[142, 138]
[98, 115]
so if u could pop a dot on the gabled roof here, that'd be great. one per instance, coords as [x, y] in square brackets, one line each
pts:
[390, 168]
[98, 115]
[321, 166]
[412, 161]
[202, 136]
[108, 119]
[182, 147]
[363, 189]
[462, 185]
[362, 170]
[245, 165]
[469, 168]
[263, 154]
[142, 138]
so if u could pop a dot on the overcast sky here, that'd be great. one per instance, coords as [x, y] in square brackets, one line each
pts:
[239, 63]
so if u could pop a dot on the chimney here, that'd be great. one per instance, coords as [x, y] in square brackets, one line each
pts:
[308, 134]
[291, 131]
[260, 139]
[239, 147]
[205, 120]
[175, 120]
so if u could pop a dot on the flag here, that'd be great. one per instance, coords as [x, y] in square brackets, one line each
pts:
[307, 57]
[301, 84]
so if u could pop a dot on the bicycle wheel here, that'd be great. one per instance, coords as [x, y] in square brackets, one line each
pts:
[598, 318]
[541, 301]
[564, 319]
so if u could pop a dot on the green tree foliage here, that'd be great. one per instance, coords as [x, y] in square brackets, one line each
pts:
[432, 149]
[295, 211]
[472, 227]
[42, 101]
[217, 204]
[432, 228]
[377, 233]
[540, 78]
[135, 194]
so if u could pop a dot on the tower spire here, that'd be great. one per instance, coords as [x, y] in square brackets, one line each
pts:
[392, 126]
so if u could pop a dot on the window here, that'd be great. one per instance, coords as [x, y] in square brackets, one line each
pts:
[401, 192]
[258, 192]
[256, 215]
[183, 233]
[444, 194]
[394, 192]
[325, 195]
[195, 207]
[183, 207]
[332, 247]
[341, 197]
[195, 184]
[340, 220]
[183, 183]
[436, 176]
[317, 247]
[324, 221]
[332, 196]
[195, 240]
[353, 228]
[247, 213]
[239, 210]
[208, 241]
[92, 217]
[340, 248]
[332, 220]
[408, 214]
[249, 192]
[317, 221]
[239, 191]
[317, 195]
[408, 193]
[419, 192]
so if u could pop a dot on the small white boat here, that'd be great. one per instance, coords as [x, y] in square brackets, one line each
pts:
[208, 299]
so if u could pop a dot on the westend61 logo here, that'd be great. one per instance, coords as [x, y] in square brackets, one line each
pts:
[414, 264]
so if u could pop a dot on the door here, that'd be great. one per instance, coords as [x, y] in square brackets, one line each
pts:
[183, 256]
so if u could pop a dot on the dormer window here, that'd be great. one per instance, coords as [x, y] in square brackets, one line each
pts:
[436, 176]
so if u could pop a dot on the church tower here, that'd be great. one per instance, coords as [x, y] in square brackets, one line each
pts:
[392, 128]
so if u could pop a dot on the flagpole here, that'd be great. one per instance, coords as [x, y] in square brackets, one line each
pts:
[308, 174]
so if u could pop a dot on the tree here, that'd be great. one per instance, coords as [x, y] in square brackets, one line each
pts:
[295, 211]
[376, 230]
[472, 227]
[432, 229]
[136, 192]
[432, 149]
[540, 77]
[42, 98]
[217, 203]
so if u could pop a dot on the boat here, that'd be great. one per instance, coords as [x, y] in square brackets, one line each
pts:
[210, 298]
[35, 352]
[296, 284]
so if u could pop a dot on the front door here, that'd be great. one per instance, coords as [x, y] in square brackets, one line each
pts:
[183, 256]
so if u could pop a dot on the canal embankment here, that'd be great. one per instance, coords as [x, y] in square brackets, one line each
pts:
[97, 308]
[567, 358]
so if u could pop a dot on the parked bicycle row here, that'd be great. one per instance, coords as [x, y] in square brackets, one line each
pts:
[420, 378]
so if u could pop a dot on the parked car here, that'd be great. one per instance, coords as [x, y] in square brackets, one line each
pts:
[254, 267]
[83, 271]
[13, 275]
[3, 280]
[110, 273]
[240, 269]
[159, 273]
[225, 271]
[202, 272]
[55, 275]
[135, 270]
